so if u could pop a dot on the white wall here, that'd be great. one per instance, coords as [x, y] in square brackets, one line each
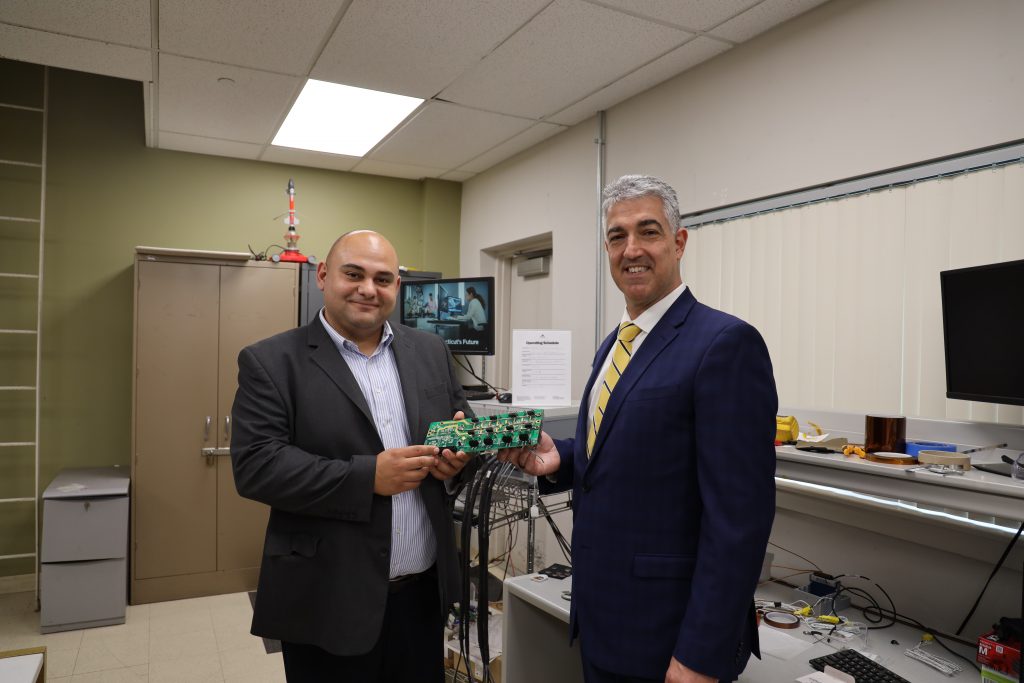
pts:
[850, 88]
[548, 189]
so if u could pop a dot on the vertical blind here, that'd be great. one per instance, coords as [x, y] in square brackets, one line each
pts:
[846, 291]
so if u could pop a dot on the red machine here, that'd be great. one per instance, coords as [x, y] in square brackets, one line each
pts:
[291, 250]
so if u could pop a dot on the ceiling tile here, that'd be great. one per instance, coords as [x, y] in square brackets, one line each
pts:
[699, 15]
[126, 22]
[525, 140]
[763, 17]
[410, 171]
[78, 54]
[224, 148]
[416, 48]
[568, 51]
[672, 64]
[193, 101]
[445, 135]
[305, 157]
[263, 34]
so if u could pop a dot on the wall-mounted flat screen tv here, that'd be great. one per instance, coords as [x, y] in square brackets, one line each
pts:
[458, 310]
[983, 328]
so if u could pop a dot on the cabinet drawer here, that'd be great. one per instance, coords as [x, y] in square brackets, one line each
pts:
[82, 594]
[85, 529]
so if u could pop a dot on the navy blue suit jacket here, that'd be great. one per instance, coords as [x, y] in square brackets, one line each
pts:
[672, 511]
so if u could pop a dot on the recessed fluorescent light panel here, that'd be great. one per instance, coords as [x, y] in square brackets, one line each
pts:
[341, 119]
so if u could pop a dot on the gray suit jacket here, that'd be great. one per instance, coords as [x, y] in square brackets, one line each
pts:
[304, 443]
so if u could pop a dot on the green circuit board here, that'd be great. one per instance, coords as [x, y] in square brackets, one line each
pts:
[488, 432]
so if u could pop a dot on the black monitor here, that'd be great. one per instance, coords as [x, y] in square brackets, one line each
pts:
[983, 328]
[459, 310]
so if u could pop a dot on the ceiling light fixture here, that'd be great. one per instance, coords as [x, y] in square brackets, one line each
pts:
[342, 119]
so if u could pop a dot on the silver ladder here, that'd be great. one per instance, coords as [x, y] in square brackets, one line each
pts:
[12, 222]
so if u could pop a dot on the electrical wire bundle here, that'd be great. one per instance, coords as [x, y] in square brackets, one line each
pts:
[479, 495]
[562, 543]
[875, 614]
[265, 254]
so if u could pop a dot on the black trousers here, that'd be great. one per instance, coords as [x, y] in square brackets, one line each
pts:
[410, 648]
[592, 674]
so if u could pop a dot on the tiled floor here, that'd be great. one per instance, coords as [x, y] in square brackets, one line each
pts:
[201, 639]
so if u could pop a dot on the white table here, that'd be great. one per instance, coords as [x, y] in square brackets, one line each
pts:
[535, 633]
[973, 491]
[891, 656]
[21, 668]
[536, 642]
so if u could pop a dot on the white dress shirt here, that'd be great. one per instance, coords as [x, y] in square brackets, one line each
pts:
[646, 322]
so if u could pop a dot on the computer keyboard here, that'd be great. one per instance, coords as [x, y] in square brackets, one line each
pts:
[857, 665]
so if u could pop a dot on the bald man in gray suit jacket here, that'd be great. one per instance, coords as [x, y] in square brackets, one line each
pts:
[359, 563]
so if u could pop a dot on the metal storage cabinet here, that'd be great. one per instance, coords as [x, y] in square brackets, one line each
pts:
[192, 534]
[83, 578]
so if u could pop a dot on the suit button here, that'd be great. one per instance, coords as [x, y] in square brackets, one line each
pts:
[586, 487]
[384, 552]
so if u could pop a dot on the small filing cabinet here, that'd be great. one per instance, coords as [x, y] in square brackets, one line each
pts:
[83, 579]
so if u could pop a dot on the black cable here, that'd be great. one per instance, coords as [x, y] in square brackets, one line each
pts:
[483, 543]
[513, 539]
[995, 570]
[473, 491]
[562, 543]
[874, 603]
[466, 534]
[894, 615]
[873, 606]
[787, 550]
[262, 255]
[475, 376]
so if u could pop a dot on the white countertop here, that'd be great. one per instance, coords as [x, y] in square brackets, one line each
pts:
[973, 491]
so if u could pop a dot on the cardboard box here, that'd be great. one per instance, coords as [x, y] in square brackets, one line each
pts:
[1002, 656]
[457, 670]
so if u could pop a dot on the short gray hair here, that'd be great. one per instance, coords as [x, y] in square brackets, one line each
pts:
[636, 187]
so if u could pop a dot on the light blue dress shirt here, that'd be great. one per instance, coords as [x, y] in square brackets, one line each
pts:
[413, 545]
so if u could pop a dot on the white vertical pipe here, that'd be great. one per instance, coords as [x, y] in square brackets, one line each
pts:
[39, 306]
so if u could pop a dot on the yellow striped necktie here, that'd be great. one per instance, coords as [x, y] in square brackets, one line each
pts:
[620, 358]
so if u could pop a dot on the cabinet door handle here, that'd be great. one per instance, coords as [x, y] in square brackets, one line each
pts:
[227, 428]
[211, 454]
[206, 428]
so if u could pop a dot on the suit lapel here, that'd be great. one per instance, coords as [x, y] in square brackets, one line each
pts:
[657, 339]
[599, 357]
[405, 360]
[325, 354]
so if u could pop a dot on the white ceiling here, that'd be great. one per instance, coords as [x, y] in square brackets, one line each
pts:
[498, 76]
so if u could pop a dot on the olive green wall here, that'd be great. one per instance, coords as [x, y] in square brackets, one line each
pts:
[106, 192]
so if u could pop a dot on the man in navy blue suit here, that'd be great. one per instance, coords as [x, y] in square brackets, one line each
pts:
[672, 466]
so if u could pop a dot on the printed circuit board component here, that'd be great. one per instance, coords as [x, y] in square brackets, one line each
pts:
[488, 432]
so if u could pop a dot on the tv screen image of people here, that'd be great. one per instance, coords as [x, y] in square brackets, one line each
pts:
[460, 311]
